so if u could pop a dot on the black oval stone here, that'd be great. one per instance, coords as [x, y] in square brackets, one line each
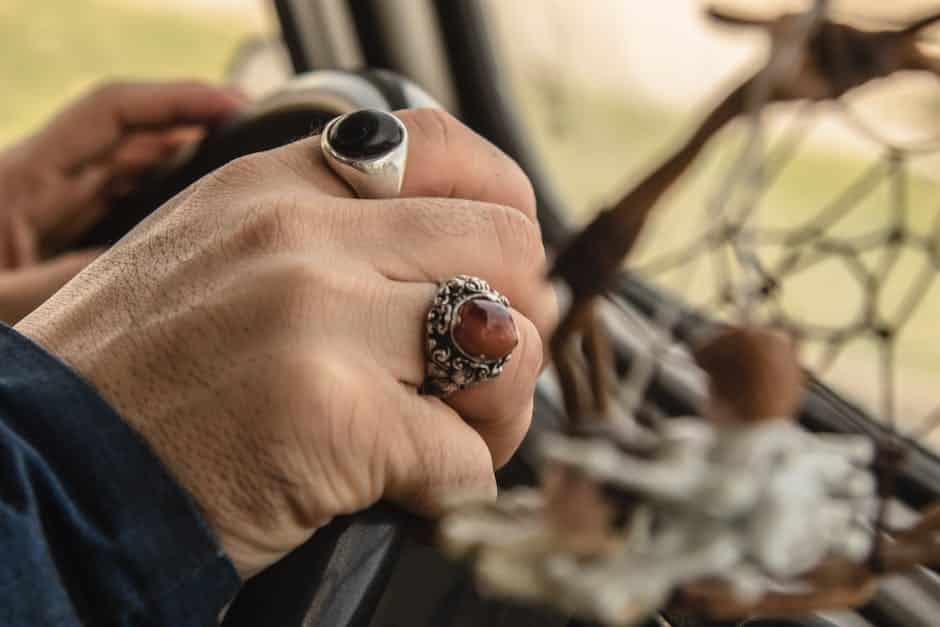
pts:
[365, 134]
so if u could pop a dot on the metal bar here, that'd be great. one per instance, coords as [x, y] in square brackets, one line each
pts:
[292, 35]
[319, 34]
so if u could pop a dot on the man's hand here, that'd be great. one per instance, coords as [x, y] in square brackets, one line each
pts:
[57, 183]
[263, 331]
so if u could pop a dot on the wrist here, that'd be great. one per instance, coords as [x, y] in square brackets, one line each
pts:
[237, 504]
[109, 496]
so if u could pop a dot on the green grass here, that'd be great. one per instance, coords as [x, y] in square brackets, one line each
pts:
[54, 49]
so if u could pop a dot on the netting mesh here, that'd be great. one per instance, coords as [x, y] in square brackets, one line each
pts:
[845, 265]
[745, 512]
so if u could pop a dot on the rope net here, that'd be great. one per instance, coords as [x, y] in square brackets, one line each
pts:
[743, 512]
[847, 264]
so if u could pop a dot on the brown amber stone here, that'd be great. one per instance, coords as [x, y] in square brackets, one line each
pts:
[485, 329]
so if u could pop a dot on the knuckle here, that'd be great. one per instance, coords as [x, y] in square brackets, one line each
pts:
[477, 470]
[446, 472]
[435, 126]
[313, 392]
[506, 181]
[508, 184]
[290, 292]
[325, 415]
[299, 276]
[270, 225]
[323, 381]
[305, 294]
[521, 188]
[518, 238]
[432, 459]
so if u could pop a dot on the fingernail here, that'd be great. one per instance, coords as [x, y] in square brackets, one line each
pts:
[485, 329]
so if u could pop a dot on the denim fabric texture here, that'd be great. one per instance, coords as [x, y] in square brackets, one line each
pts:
[93, 530]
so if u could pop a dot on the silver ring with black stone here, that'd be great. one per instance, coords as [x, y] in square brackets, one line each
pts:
[368, 149]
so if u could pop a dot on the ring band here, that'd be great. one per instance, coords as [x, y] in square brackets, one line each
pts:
[470, 335]
[368, 149]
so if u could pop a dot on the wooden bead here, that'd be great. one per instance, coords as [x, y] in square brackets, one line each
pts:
[754, 374]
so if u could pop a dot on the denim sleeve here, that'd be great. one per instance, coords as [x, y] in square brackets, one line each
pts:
[93, 531]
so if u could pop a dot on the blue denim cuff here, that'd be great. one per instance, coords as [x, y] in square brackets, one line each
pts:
[93, 530]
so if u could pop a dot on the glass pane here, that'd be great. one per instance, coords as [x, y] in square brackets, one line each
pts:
[55, 49]
[610, 88]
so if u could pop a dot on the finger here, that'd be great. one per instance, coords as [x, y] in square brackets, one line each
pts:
[445, 159]
[142, 150]
[166, 104]
[432, 240]
[499, 409]
[87, 193]
[19, 246]
[83, 196]
[181, 136]
[24, 290]
[97, 122]
[433, 455]
[121, 186]
[81, 203]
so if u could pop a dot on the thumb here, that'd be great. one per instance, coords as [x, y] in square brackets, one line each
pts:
[21, 291]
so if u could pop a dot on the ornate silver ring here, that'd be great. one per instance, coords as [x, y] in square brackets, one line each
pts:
[470, 335]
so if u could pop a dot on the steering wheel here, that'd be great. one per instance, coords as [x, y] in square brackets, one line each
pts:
[299, 108]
